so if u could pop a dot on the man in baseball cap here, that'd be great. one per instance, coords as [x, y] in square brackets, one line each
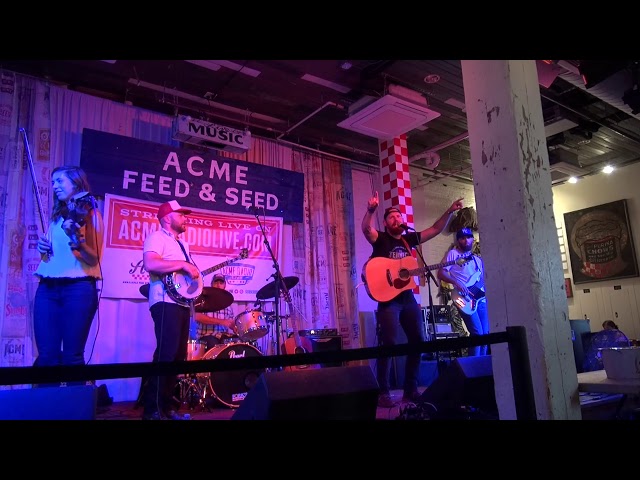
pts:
[465, 232]
[390, 210]
[163, 252]
[170, 207]
[218, 277]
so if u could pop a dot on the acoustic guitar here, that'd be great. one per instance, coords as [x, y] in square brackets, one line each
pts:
[296, 343]
[384, 278]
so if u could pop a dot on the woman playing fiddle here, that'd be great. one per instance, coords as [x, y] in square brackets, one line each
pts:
[66, 299]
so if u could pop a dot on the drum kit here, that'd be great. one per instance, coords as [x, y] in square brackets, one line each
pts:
[230, 387]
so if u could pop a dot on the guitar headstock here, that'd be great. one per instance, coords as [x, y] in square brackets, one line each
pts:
[244, 253]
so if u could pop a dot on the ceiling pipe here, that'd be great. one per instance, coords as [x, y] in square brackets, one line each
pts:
[445, 144]
[315, 112]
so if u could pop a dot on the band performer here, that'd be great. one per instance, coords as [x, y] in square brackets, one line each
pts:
[165, 252]
[66, 299]
[402, 311]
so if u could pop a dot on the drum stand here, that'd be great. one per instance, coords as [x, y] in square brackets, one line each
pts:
[194, 391]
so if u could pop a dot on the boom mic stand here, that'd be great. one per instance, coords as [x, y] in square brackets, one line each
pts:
[277, 278]
[432, 315]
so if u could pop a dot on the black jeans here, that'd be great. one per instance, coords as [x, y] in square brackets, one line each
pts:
[171, 325]
[403, 311]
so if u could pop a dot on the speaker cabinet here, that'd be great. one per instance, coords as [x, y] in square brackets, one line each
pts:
[340, 393]
[323, 343]
[49, 403]
[465, 382]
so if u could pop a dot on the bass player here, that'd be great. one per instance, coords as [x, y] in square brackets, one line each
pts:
[165, 252]
[467, 280]
[402, 310]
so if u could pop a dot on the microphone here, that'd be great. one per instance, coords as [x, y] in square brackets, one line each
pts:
[406, 227]
[250, 208]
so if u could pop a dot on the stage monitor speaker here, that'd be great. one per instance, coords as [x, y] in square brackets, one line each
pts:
[340, 393]
[465, 382]
[49, 403]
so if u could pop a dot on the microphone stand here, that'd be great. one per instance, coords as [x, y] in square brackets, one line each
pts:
[276, 276]
[432, 315]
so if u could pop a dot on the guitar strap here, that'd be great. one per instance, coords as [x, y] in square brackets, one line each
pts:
[406, 244]
[183, 251]
[193, 326]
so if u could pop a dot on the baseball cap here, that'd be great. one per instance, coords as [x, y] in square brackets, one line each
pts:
[218, 276]
[169, 207]
[389, 210]
[464, 232]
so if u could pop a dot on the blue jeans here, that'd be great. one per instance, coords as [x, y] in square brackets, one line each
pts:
[477, 324]
[403, 311]
[63, 312]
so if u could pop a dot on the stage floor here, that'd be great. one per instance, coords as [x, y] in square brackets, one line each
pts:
[131, 411]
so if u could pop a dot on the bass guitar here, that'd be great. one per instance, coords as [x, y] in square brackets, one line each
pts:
[184, 290]
[296, 343]
[384, 278]
[469, 303]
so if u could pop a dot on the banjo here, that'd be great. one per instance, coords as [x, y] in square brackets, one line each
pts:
[183, 289]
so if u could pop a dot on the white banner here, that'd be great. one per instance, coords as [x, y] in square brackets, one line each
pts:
[213, 238]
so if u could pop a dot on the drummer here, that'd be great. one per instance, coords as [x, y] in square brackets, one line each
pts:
[215, 328]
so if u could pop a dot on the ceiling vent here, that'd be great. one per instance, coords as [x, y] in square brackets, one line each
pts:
[396, 113]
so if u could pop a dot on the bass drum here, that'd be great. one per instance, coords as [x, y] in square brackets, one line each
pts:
[231, 386]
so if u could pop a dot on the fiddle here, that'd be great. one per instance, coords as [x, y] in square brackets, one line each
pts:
[78, 208]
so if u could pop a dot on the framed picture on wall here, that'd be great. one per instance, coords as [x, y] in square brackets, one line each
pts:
[600, 244]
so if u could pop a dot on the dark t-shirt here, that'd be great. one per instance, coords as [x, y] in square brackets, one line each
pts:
[390, 247]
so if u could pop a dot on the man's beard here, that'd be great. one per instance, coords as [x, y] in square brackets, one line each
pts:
[466, 247]
[398, 230]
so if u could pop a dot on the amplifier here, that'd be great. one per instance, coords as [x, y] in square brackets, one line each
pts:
[324, 343]
[443, 313]
[320, 332]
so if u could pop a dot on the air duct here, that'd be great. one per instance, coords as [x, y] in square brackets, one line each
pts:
[611, 90]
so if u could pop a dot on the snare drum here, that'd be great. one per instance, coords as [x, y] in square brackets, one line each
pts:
[251, 325]
[231, 386]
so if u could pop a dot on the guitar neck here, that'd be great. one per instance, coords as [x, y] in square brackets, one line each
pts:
[294, 323]
[217, 267]
[437, 266]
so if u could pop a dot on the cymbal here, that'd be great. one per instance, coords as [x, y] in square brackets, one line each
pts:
[213, 299]
[269, 290]
[144, 290]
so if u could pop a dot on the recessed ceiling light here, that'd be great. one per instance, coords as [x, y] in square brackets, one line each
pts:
[572, 180]
[607, 169]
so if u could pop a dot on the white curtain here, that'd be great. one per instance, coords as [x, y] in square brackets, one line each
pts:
[320, 250]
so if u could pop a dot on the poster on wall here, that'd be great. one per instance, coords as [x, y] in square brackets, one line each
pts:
[600, 243]
[214, 238]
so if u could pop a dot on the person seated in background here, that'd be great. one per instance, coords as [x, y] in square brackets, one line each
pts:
[609, 325]
[609, 337]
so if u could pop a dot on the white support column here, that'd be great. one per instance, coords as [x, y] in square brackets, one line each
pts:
[524, 278]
